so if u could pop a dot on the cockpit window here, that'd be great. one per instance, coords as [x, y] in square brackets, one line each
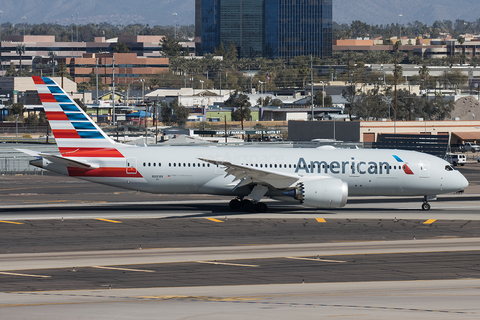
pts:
[449, 168]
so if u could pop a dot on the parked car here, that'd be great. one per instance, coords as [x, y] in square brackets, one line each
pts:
[470, 146]
[456, 159]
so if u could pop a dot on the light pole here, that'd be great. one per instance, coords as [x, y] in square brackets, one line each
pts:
[76, 16]
[400, 27]
[73, 26]
[174, 26]
[201, 81]
[24, 19]
[262, 83]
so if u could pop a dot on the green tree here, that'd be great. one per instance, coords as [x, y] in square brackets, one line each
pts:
[121, 48]
[317, 99]
[174, 113]
[32, 119]
[237, 100]
[11, 71]
[18, 108]
[232, 53]
[171, 47]
[220, 50]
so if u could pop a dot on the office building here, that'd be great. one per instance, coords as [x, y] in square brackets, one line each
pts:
[268, 28]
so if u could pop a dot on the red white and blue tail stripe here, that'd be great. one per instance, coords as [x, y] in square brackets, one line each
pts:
[86, 151]
[75, 133]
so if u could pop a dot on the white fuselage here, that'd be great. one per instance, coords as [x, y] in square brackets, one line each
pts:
[368, 172]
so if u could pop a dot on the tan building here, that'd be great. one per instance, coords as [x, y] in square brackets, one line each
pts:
[128, 67]
[459, 131]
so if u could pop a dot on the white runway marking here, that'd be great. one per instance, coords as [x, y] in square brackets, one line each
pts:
[230, 264]
[24, 275]
[122, 269]
[318, 259]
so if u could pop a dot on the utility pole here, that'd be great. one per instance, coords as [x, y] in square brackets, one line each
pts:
[395, 115]
[311, 84]
[113, 86]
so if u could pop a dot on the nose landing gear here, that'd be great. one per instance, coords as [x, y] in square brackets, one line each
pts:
[425, 204]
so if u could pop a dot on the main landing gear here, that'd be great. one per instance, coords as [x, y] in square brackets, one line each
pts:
[247, 205]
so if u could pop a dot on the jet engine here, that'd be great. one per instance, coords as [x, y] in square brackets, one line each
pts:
[321, 193]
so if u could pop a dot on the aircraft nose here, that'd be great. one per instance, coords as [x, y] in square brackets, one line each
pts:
[463, 182]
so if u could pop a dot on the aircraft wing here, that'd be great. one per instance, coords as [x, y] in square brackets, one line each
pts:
[248, 175]
[60, 160]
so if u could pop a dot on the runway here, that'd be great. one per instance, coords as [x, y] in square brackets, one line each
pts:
[71, 249]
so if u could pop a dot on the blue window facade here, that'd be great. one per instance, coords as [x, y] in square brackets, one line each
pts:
[241, 22]
[298, 28]
[210, 25]
[270, 28]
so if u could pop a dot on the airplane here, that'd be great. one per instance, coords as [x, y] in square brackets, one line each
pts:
[321, 177]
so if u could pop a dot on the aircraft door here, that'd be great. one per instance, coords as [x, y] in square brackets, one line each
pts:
[131, 165]
[424, 169]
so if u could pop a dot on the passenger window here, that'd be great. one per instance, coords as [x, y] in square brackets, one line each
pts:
[154, 164]
[194, 165]
[149, 164]
[144, 164]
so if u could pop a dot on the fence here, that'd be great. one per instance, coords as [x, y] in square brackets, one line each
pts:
[14, 162]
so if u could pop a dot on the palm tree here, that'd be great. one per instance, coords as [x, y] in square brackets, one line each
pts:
[424, 73]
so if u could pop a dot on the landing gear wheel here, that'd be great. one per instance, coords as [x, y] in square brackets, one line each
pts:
[260, 207]
[425, 206]
[235, 204]
[248, 206]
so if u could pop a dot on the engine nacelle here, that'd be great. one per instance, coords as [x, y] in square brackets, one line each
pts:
[321, 193]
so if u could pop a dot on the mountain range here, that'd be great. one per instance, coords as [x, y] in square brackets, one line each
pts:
[161, 12]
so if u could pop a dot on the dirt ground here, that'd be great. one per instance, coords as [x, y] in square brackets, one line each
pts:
[466, 108]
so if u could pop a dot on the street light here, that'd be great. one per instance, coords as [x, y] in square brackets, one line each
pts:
[201, 81]
[24, 18]
[400, 27]
[262, 83]
[76, 16]
[174, 26]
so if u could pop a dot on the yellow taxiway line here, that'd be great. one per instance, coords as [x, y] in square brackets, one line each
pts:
[12, 222]
[106, 220]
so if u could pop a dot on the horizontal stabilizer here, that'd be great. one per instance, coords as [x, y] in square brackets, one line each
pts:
[60, 160]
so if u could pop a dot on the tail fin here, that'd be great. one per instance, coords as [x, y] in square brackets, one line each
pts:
[75, 133]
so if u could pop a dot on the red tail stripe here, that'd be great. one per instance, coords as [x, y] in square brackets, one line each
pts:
[47, 97]
[38, 80]
[102, 172]
[66, 134]
[90, 152]
[56, 115]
